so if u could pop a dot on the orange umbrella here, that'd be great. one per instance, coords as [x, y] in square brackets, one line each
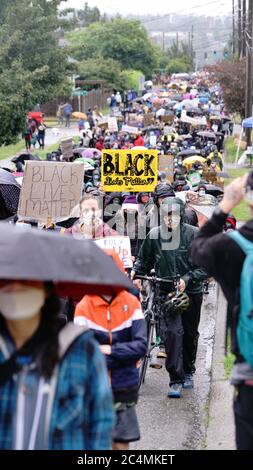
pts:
[79, 115]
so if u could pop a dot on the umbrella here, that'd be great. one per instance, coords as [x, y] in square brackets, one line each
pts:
[188, 153]
[91, 153]
[207, 134]
[9, 190]
[190, 160]
[79, 115]
[77, 267]
[88, 163]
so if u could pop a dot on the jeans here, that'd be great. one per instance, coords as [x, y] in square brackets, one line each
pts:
[41, 140]
[67, 120]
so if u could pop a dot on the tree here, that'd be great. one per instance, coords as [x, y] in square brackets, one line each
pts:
[177, 66]
[182, 53]
[33, 68]
[231, 74]
[108, 70]
[122, 40]
[89, 15]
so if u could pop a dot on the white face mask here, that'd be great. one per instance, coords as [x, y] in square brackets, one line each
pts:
[90, 218]
[23, 304]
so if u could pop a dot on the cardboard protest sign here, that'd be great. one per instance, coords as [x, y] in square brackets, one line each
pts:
[121, 245]
[129, 170]
[130, 129]
[67, 148]
[148, 119]
[168, 119]
[112, 124]
[166, 164]
[50, 190]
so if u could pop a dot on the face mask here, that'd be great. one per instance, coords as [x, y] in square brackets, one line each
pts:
[90, 218]
[19, 305]
[202, 193]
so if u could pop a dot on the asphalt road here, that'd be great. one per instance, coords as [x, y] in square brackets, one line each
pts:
[179, 424]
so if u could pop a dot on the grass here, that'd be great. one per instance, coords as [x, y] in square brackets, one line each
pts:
[231, 149]
[241, 212]
[228, 364]
[11, 150]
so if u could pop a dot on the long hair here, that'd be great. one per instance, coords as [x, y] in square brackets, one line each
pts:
[43, 346]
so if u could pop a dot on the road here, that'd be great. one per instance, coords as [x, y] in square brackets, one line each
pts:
[180, 424]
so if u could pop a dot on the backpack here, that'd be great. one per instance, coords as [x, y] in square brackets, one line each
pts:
[245, 324]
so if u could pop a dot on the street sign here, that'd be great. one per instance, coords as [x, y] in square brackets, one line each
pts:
[79, 93]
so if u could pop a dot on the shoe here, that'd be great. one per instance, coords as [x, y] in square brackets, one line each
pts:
[188, 382]
[161, 353]
[155, 363]
[175, 391]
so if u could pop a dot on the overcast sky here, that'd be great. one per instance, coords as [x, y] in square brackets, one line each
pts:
[156, 6]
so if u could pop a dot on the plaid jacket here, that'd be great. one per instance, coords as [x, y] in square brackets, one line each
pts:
[82, 415]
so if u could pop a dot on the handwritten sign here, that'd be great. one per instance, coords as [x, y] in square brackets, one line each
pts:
[121, 245]
[148, 119]
[130, 129]
[67, 148]
[129, 170]
[50, 190]
[112, 124]
[166, 164]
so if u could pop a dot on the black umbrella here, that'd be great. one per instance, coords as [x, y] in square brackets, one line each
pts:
[207, 134]
[10, 192]
[188, 153]
[77, 267]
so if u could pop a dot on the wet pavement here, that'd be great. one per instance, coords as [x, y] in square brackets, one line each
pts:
[180, 424]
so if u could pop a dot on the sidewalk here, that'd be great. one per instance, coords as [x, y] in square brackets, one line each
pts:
[220, 428]
[53, 136]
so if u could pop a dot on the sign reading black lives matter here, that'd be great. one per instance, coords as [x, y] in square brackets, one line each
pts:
[129, 170]
[50, 190]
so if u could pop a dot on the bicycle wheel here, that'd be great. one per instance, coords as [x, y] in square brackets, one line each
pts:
[144, 362]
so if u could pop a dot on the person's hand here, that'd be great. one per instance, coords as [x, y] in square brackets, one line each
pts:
[137, 283]
[234, 193]
[182, 285]
[132, 274]
[106, 349]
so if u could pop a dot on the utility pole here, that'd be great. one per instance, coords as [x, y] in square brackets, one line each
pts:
[163, 41]
[239, 28]
[233, 34]
[192, 38]
[249, 65]
[177, 42]
[244, 28]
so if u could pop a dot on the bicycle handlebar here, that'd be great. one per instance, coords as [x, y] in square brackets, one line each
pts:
[155, 279]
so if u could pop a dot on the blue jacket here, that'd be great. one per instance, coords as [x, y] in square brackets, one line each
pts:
[82, 415]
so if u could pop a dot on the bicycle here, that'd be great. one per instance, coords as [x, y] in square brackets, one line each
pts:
[153, 314]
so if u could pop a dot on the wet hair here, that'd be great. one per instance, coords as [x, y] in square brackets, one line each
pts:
[43, 346]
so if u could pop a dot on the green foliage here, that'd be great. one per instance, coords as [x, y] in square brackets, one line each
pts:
[100, 69]
[33, 68]
[125, 41]
[178, 66]
[132, 79]
[89, 15]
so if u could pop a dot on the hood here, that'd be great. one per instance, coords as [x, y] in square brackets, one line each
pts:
[172, 203]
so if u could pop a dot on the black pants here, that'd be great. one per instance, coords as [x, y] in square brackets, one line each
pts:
[243, 412]
[179, 333]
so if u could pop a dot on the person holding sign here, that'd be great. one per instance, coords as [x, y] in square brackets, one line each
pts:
[119, 327]
[90, 224]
